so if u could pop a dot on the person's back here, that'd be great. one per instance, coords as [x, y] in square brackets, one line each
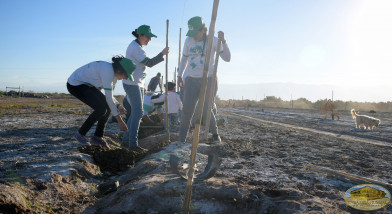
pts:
[174, 105]
[174, 102]
[154, 82]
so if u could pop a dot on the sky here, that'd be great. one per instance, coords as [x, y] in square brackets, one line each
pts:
[340, 43]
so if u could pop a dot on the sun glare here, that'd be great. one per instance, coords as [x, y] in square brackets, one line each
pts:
[370, 41]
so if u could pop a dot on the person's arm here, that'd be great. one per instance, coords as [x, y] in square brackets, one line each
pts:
[224, 53]
[149, 86]
[136, 52]
[159, 99]
[108, 88]
[110, 100]
[160, 85]
[184, 59]
[153, 61]
[157, 59]
[183, 64]
[107, 78]
[179, 103]
[121, 124]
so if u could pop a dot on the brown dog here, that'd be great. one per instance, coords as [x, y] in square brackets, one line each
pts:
[368, 122]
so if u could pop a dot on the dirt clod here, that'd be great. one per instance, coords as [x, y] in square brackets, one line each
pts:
[12, 200]
[113, 160]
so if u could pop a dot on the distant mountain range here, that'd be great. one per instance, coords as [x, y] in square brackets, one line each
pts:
[285, 91]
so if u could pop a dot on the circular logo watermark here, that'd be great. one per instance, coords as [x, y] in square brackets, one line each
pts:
[367, 197]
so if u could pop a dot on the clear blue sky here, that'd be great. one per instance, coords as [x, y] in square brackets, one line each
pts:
[340, 42]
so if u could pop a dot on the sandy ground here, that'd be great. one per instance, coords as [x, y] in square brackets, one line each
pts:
[264, 169]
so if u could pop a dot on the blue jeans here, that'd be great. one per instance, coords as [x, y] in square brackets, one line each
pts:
[136, 95]
[173, 121]
[127, 107]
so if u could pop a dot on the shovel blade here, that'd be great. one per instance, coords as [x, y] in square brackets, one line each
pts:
[211, 168]
[209, 171]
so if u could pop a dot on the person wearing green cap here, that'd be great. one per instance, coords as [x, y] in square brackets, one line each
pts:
[192, 66]
[154, 82]
[135, 88]
[85, 84]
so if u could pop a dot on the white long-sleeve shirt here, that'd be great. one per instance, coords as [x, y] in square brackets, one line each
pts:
[97, 74]
[192, 61]
[174, 102]
[136, 53]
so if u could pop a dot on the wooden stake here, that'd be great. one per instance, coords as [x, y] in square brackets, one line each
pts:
[167, 86]
[179, 58]
[212, 91]
[202, 94]
[175, 74]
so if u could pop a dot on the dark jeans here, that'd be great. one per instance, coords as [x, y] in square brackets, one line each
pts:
[92, 97]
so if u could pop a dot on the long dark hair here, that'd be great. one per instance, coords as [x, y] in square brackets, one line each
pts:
[117, 68]
[205, 31]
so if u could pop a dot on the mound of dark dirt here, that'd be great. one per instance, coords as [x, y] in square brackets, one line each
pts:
[112, 160]
[155, 120]
[115, 160]
[148, 131]
[12, 200]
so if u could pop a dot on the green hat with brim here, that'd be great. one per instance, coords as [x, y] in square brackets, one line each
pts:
[128, 66]
[194, 25]
[145, 30]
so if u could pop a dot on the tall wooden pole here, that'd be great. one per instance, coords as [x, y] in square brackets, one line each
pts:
[167, 86]
[175, 74]
[202, 94]
[210, 96]
[179, 58]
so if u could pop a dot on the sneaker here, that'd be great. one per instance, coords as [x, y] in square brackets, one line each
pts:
[216, 138]
[99, 140]
[138, 149]
[81, 139]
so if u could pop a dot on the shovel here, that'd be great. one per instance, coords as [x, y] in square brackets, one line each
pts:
[209, 171]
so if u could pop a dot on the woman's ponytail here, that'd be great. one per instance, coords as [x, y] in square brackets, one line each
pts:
[117, 68]
[134, 33]
[117, 59]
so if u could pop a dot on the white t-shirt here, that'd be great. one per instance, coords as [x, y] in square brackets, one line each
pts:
[174, 102]
[192, 61]
[97, 74]
[136, 53]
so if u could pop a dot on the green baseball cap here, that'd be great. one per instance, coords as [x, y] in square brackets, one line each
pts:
[145, 30]
[194, 25]
[159, 74]
[128, 66]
